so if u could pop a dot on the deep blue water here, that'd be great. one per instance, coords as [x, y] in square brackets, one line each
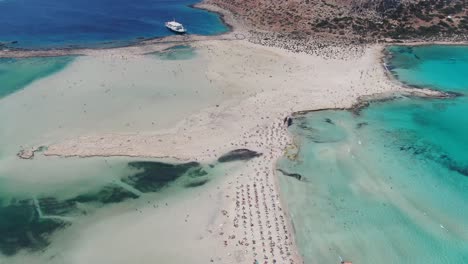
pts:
[389, 185]
[60, 23]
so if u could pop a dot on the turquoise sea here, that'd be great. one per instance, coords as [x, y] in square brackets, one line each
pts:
[389, 184]
[437, 67]
[15, 73]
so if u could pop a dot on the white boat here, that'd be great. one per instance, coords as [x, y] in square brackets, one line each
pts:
[175, 26]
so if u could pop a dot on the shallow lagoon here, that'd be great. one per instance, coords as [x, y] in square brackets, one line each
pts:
[103, 94]
[389, 185]
[57, 210]
[15, 74]
[64, 191]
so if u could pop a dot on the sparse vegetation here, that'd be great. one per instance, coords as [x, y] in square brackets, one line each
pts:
[365, 19]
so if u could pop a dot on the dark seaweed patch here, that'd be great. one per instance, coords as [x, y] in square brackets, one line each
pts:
[52, 206]
[362, 124]
[437, 155]
[198, 172]
[454, 167]
[21, 228]
[320, 140]
[303, 125]
[108, 194]
[239, 154]
[196, 183]
[329, 121]
[156, 175]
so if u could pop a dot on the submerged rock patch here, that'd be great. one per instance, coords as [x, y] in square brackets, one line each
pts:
[21, 227]
[239, 154]
[156, 175]
[197, 183]
[28, 224]
[107, 195]
[436, 154]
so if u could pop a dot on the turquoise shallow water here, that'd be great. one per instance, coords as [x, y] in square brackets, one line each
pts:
[61, 192]
[45, 199]
[17, 73]
[389, 185]
[438, 67]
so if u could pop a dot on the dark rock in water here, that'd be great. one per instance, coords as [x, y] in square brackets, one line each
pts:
[239, 154]
[153, 176]
[22, 229]
[290, 121]
[196, 183]
[14, 42]
[329, 121]
[360, 125]
[297, 176]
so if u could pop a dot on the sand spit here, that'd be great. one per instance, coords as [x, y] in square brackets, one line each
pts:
[275, 83]
[144, 47]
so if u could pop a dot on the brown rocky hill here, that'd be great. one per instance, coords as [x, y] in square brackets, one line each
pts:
[368, 19]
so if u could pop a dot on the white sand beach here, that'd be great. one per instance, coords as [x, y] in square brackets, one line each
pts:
[260, 85]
